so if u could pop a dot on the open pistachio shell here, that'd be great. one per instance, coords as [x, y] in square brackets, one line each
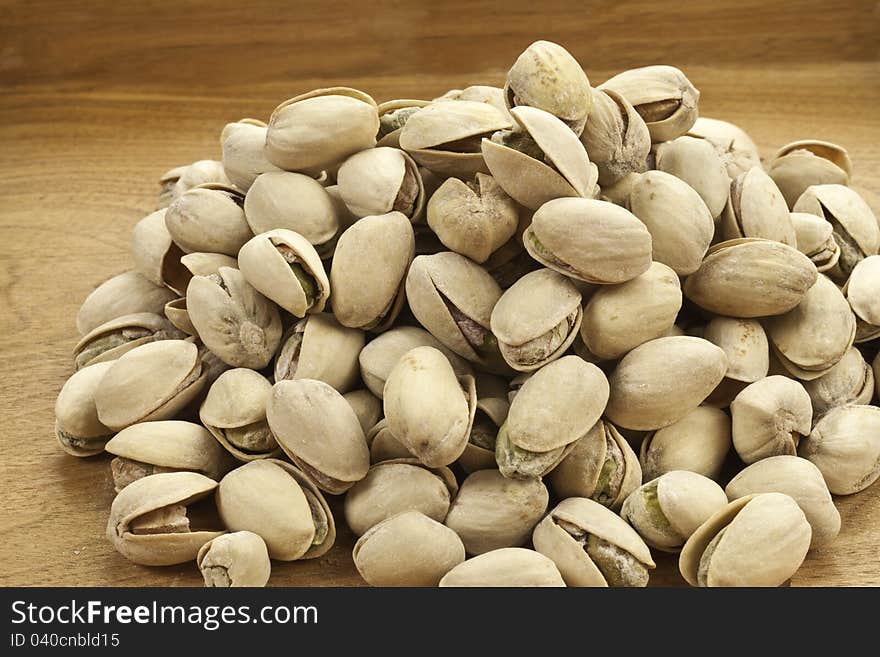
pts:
[319, 432]
[505, 567]
[156, 257]
[737, 150]
[78, 429]
[769, 418]
[244, 157]
[118, 336]
[800, 480]
[615, 136]
[380, 180]
[862, 290]
[756, 208]
[492, 511]
[151, 382]
[592, 546]
[757, 540]
[744, 343]
[479, 454]
[800, 164]
[236, 559]
[479, 93]
[369, 266]
[699, 442]
[199, 264]
[850, 381]
[123, 294]
[367, 407]
[697, 162]
[175, 182]
[209, 218]
[150, 523]
[304, 349]
[279, 503]
[383, 444]
[393, 115]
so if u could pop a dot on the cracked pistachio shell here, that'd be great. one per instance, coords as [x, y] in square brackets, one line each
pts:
[800, 480]
[383, 444]
[845, 446]
[678, 221]
[319, 432]
[553, 164]
[479, 93]
[602, 466]
[381, 354]
[209, 218]
[244, 157]
[663, 97]
[168, 181]
[589, 240]
[491, 413]
[179, 180]
[815, 239]
[235, 321]
[280, 504]
[171, 444]
[856, 229]
[618, 318]
[409, 549]
[757, 540]
[811, 338]
[668, 510]
[592, 546]
[444, 137]
[156, 257]
[367, 407]
[319, 129]
[697, 163]
[699, 442]
[615, 136]
[737, 150]
[505, 567]
[395, 486]
[236, 559]
[536, 319]
[284, 267]
[429, 409]
[546, 76]
[296, 202]
[862, 291]
[152, 382]
[473, 218]
[368, 271]
[393, 115]
[745, 344]
[237, 400]
[304, 350]
[726, 281]
[850, 381]
[660, 381]
[756, 208]
[769, 417]
[77, 427]
[492, 511]
[118, 336]
[201, 264]
[148, 521]
[123, 294]
[800, 164]
[380, 180]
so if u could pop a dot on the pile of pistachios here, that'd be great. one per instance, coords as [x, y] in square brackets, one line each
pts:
[526, 336]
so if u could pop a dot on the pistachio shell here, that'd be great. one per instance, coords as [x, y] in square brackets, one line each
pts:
[615, 136]
[769, 418]
[737, 150]
[244, 157]
[77, 427]
[699, 442]
[505, 567]
[863, 290]
[800, 164]
[209, 218]
[479, 454]
[177, 314]
[384, 446]
[379, 180]
[850, 381]
[237, 559]
[123, 294]
[155, 256]
[393, 115]
[304, 349]
[756, 208]
[697, 162]
[480, 93]
[201, 264]
[118, 336]
[744, 343]
[180, 180]
[367, 407]
[619, 191]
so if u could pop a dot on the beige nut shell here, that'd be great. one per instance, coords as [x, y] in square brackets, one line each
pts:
[505, 567]
[241, 556]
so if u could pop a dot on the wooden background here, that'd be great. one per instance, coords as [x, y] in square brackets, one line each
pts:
[98, 98]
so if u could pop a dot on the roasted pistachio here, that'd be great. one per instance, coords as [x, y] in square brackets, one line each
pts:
[78, 429]
[118, 336]
[862, 290]
[367, 407]
[124, 294]
[380, 180]
[490, 415]
[615, 136]
[697, 162]
[304, 349]
[756, 208]
[393, 115]
[745, 344]
[383, 444]
[769, 418]
[698, 442]
[244, 156]
[175, 182]
[156, 257]
[209, 218]
[736, 148]
[850, 381]
[236, 559]
[505, 567]
[800, 164]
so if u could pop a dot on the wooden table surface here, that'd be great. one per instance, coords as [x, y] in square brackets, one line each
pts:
[97, 99]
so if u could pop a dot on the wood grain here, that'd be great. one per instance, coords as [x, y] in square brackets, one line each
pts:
[99, 98]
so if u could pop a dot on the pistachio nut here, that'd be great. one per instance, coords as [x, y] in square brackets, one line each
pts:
[697, 162]
[593, 546]
[744, 341]
[769, 418]
[757, 540]
[234, 411]
[756, 208]
[166, 446]
[175, 182]
[663, 97]
[383, 444]
[393, 115]
[293, 201]
[409, 549]
[395, 486]
[615, 136]
[367, 407]
[78, 429]
[304, 349]
[856, 229]
[244, 156]
[445, 137]
[209, 218]
[602, 467]
[199, 264]
[850, 381]
[368, 271]
[114, 338]
[737, 150]
[845, 446]
[726, 281]
[660, 381]
[480, 93]
[862, 290]
[492, 511]
[163, 519]
[380, 180]
[473, 218]
[489, 417]
[546, 76]
[619, 191]
[124, 294]
[156, 257]
[151, 382]
[618, 318]
[539, 160]
[801, 164]
[167, 182]
[319, 129]
[698, 442]
[319, 432]
[811, 338]
[505, 567]
[799, 479]
[236, 559]
[815, 239]
[678, 222]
